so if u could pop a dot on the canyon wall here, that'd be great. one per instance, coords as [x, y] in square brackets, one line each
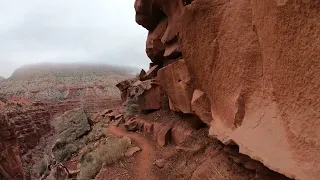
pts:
[247, 68]
[92, 98]
[10, 161]
[30, 124]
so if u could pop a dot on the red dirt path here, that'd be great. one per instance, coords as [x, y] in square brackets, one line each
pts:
[145, 158]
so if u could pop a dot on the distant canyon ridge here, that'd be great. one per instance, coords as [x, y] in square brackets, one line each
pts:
[56, 82]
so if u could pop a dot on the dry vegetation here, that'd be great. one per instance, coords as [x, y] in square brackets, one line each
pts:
[106, 154]
[131, 107]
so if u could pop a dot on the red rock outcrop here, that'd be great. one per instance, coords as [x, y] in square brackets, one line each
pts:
[176, 82]
[256, 64]
[30, 124]
[163, 132]
[200, 105]
[123, 87]
[150, 99]
[10, 161]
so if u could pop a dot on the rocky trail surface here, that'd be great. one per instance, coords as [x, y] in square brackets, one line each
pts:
[143, 169]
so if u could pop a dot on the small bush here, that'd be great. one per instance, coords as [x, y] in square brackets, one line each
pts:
[107, 154]
[40, 167]
[132, 107]
[65, 152]
[3, 99]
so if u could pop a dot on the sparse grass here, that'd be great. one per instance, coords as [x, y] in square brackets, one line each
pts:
[40, 167]
[132, 107]
[65, 152]
[2, 98]
[106, 154]
[96, 132]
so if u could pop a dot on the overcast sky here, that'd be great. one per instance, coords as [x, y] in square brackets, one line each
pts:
[97, 31]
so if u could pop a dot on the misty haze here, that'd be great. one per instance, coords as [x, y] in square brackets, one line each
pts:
[159, 90]
[60, 31]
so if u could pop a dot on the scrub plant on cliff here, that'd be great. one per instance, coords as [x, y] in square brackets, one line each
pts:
[105, 155]
[131, 107]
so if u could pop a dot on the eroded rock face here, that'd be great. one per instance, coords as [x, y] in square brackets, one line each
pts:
[30, 124]
[253, 58]
[200, 105]
[176, 82]
[256, 63]
[10, 161]
[150, 99]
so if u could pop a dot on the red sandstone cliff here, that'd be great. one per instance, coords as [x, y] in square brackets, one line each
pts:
[10, 161]
[249, 69]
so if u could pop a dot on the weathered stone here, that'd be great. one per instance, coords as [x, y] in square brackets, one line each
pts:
[173, 10]
[152, 73]
[154, 47]
[130, 152]
[125, 84]
[148, 127]
[201, 106]
[180, 133]
[176, 82]
[172, 50]
[164, 135]
[160, 163]
[72, 125]
[257, 79]
[148, 14]
[142, 74]
[150, 99]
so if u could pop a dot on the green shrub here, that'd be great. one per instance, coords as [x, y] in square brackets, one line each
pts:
[65, 152]
[106, 154]
[132, 107]
[40, 167]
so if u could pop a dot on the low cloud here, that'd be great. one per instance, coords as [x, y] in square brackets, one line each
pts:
[96, 31]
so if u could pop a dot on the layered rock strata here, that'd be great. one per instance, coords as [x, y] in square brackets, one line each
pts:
[30, 124]
[10, 161]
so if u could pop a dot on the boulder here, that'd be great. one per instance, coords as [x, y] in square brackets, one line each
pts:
[131, 151]
[125, 84]
[173, 10]
[123, 87]
[154, 47]
[142, 74]
[71, 125]
[148, 127]
[160, 163]
[164, 134]
[180, 132]
[200, 105]
[172, 50]
[256, 63]
[148, 13]
[152, 73]
[150, 99]
[176, 82]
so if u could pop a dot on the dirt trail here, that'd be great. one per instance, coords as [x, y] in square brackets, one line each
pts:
[144, 158]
